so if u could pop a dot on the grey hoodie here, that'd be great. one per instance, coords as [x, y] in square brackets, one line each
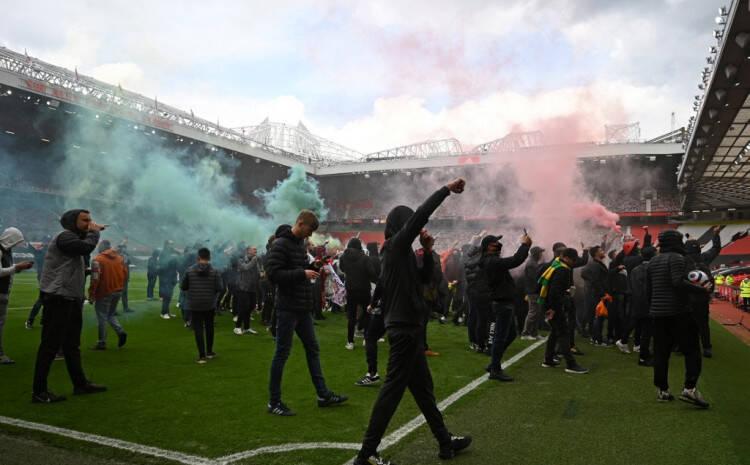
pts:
[8, 239]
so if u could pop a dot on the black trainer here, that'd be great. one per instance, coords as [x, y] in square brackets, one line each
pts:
[645, 362]
[664, 396]
[281, 410]
[121, 339]
[332, 399]
[368, 380]
[500, 375]
[577, 370]
[456, 444]
[88, 388]
[46, 398]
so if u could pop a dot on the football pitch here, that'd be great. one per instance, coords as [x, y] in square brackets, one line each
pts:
[163, 408]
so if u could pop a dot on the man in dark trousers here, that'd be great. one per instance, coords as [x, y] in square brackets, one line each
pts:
[534, 317]
[667, 290]
[695, 260]
[290, 270]
[202, 283]
[555, 296]
[168, 262]
[405, 314]
[503, 289]
[639, 307]
[39, 255]
[62, 290]
[360, 274]
[248, 290]
[595, 279]
[152, 272]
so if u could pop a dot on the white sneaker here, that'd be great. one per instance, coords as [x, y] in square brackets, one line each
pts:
[349, 346]
[250, 331]
[526, 337]
[364, 342]
[237, 331]
[165, 316]
[234, 318]
[381, 340]
[623, 347]
[636, 348]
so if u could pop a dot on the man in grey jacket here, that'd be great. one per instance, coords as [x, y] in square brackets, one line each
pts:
[62, 290]
[248, 290]
[10, 238]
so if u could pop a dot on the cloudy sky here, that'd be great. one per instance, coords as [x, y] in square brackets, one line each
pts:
[377, 74]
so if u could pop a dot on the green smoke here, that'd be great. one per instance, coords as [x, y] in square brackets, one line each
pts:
[295, 193]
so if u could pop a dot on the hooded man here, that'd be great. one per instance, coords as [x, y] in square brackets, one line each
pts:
[109, 276]
[360, 274]
[62, 290]
[10, 238]
[290, 270]
[667, 290]
[530, 275]
[595, 287]
[405, 314]
[502, 292]
[639, 307]
[695, 260]
[248, 290]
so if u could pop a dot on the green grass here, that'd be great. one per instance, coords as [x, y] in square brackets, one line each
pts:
[159, 396]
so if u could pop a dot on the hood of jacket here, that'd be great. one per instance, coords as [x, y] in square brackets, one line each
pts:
[284, 230]
[670, 240]
[372, 247]
[69, 219]
[10, 237]
[354, 243]
[203, 268]
[396, 220]
[110, 254]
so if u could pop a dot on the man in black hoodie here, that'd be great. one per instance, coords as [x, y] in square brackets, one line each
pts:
[405, 314]
[639, 307]
[289, 269]
[667, 290]
[360, 274]
[497, 273]
[62, 290]
[695, 260]
[201, 282]
[595, 279]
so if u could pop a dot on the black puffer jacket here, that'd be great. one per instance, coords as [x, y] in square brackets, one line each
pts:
[477, 286]
[638, 299]
[357, 267]
[202, 283]
[595, 280]
[667, 287]
[372, 248]
[285, 267]
[497, 272]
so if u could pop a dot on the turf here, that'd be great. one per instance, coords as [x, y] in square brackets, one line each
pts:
[159, 396]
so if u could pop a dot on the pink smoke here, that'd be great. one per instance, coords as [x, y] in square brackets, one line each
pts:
[597, 214]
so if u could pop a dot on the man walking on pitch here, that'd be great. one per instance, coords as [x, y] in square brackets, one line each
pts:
[405, 314]
[108, 278]
[288, 268]
[202, 284]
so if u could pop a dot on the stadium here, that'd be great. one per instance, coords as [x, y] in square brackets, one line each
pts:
[156, 173]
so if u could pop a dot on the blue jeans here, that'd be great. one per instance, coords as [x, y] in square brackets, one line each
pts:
[287, 324]
[105, 312]
[505, 330]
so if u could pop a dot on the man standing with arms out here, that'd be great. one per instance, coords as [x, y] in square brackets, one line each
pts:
[10, 238]
[248, 290]
[555, 296]
[289, 269]
[108, 278]
[503, 289]
[668, 292]
[202, 283]
[62, 289]
[405, 314]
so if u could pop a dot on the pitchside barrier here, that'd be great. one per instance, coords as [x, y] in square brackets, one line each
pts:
[730, 294]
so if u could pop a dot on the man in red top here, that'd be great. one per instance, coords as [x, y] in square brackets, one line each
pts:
[108, 276]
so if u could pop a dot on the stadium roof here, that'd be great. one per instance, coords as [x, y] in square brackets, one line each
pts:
[715, 173]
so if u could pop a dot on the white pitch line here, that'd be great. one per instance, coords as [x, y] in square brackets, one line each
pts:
[287, 448]
[388, 441]
[418, 421]
[116, 443]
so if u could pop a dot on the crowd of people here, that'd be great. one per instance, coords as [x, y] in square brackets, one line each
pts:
[659, 294]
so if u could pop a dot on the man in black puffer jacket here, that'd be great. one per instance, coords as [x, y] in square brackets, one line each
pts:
[202, 283]
[667, 290]
[595, 286]
[695, 260]
[405, 315]
[360, 274]
[639, 306]
[502, 292]
[288, 268]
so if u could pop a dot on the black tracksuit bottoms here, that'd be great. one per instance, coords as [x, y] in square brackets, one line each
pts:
[677, 330]
[203, 320]
[407, 368]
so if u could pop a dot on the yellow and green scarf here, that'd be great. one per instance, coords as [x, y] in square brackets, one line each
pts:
[544, 279]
